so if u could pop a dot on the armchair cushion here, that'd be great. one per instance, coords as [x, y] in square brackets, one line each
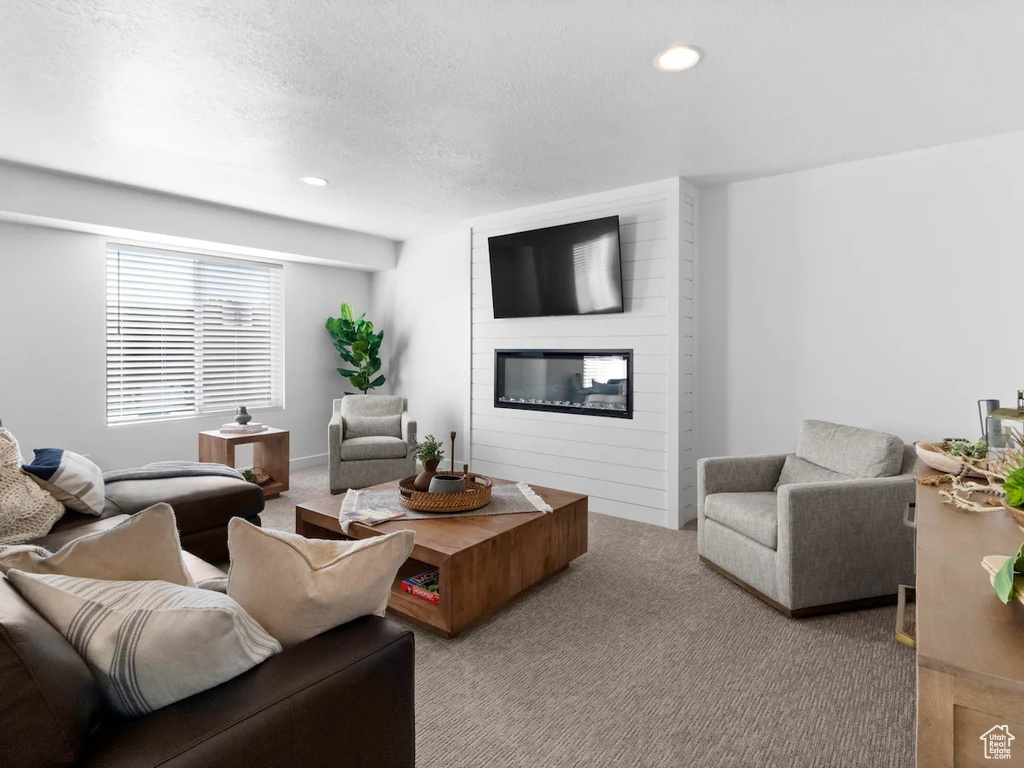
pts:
[371, 405]
[373, 426]
[850, 450]
[753, 514]
[409, 430]
[735, 474]
[362, 448]
[797, 470]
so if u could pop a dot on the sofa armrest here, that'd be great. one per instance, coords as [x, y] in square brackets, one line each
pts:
[844, 539]
[737, 474]
[409, 430]
[343, 698]
[335, 434]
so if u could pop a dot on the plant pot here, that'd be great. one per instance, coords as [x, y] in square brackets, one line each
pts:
[447, 483]
[422, 481]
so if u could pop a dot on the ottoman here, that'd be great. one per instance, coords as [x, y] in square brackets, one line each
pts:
[202, 505]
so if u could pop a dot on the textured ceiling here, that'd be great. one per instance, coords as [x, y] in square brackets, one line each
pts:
[425, 113]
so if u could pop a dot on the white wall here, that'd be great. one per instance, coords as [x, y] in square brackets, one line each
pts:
[52, 365]
[642, 468]
[423, 307]
[882, 293]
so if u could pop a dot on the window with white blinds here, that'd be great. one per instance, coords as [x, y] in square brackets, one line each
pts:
[190, 335]
[602, 369]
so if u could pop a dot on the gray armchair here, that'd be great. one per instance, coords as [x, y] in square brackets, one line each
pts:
[814, 531]
[371, 439]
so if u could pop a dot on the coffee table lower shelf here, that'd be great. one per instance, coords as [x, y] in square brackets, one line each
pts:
[483, 562]
[415, 608]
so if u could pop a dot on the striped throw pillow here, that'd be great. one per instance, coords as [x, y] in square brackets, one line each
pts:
[73, 480]
[149, 643]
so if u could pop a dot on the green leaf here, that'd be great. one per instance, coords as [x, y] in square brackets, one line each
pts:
[1003, 581]
[1014, 487]
[358, 345]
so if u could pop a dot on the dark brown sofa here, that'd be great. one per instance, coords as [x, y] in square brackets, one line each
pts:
[202, 505]
[343, 698]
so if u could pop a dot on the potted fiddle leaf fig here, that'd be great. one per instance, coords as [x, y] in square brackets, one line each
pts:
[359, 346]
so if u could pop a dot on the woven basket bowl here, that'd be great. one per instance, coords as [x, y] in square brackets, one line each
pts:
[932, 455]
[476, 495]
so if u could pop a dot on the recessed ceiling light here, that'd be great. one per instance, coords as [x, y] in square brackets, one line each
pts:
[314, 181]
[677, 58]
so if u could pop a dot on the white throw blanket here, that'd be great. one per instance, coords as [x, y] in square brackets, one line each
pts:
[26, 510]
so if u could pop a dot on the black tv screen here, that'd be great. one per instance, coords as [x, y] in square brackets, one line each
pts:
[572, 269]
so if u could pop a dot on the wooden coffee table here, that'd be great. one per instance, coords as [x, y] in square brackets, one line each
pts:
[484, 562]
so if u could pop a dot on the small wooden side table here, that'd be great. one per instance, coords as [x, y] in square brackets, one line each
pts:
[269, 453]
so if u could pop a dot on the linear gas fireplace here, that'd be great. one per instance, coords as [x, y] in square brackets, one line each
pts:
[595, 382]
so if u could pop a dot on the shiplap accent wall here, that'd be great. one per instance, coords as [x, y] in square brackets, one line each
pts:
[643, 468]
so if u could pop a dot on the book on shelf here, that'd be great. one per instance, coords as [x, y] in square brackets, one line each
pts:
[426, 585]
[372, 515]
[244, 429]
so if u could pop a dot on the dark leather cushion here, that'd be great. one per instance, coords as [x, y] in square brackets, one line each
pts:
[72, 520]
[212, 544]
[343, 698]
[70, 527]
[200, 503]
[48, 699]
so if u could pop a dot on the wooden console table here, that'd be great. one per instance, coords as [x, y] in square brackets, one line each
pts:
[270, 452]
[970, 647]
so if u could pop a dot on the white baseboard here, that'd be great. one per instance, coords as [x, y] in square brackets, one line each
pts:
[317, 460]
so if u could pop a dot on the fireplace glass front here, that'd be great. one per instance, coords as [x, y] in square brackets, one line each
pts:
[592, 382]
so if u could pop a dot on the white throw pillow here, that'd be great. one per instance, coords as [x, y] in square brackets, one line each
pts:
[26, 510]
[145, 547]
[297, 587]
[149, 643]
[71, 478]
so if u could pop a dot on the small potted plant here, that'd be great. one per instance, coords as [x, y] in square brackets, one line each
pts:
[430, 452]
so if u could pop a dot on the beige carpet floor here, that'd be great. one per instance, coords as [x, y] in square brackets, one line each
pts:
[639, 656]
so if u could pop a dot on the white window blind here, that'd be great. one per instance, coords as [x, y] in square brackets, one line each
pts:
[189, 335]
[601, 369]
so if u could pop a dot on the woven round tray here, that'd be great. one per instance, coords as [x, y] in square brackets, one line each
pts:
[933, 456]
[476, 495]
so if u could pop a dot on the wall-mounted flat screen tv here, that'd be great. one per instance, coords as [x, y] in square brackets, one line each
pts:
[572, 269]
